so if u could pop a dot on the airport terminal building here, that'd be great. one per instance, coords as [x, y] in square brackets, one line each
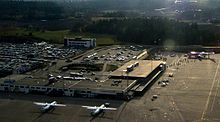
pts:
[80, 42]
[123, 83]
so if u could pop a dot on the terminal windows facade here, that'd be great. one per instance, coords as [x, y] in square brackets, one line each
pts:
[77, 43]
[72, 43]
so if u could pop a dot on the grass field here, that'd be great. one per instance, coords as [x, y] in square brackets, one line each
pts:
[57, 36]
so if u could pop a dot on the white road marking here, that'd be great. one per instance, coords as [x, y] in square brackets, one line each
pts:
[177, 109]
[74, 84]
[210, 93]
[215, 95]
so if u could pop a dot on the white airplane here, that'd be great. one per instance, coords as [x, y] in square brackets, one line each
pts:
[184, 1]
[178, 1]
[161, 10]
[48, 106]
[99, 109]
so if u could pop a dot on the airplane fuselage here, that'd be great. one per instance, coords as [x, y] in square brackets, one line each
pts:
[45, 107]
[98, 110]
[48, 107]
[185, 1]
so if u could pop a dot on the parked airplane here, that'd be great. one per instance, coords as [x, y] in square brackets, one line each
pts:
[195, 55]
[161, 10]
[48, 106]
[99, 109]
[185, 1]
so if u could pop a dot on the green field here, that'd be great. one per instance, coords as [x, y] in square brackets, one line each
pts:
[57, 36]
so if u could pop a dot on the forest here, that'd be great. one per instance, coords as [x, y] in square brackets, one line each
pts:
[76, 16]
[154, 30]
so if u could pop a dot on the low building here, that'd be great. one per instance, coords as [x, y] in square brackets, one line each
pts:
[80, 42]
[144, 72]
[137, 69]
[130, 79]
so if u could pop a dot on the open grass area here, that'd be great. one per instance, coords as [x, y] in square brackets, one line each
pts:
[57, 36]
[111, 67]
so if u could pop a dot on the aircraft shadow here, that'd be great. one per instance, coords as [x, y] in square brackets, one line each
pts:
[43, 113]
[101, 115]
[213, 60]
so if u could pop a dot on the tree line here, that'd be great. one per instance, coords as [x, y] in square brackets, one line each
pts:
[154, 30]
[30, 10]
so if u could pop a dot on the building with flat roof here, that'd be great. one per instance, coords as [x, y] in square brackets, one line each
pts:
[80, 42]
[142, 70]
[133, 77]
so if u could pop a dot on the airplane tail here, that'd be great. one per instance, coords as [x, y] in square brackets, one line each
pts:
[107, 104]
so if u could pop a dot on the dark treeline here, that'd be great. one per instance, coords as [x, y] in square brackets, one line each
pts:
[20, 10]
[117, 4]
[77, 17]
[154, 31]
[35, 10]
[32, 10]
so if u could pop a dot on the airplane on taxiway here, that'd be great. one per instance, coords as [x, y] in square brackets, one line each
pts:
[96, 110]
[48, 106]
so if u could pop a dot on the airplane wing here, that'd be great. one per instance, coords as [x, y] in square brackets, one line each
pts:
[90, 107]
[94, 107]
[41, 104]
[59, 105]
[114, 109]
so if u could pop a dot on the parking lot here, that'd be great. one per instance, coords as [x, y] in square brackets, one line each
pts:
[22, 58]
[114, 54]
[94, 65]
